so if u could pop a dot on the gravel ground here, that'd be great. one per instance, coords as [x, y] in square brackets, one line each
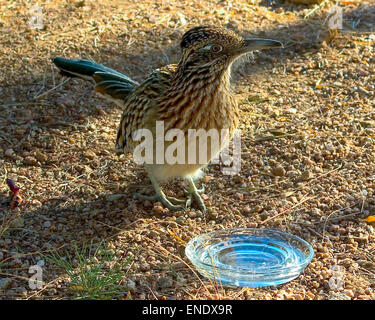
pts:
[308, 129]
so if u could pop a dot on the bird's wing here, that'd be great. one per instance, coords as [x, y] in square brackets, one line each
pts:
[140, 104]
[109, 83]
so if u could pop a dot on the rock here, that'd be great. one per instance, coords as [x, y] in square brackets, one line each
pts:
[30, 161]
[252, 225]
[164, 282]
[41, 156]
[213, 214]
[147, 204]
[278, 171]
[130, 285]
[41, 263]
[246, 210]
[153, 234]
[207, 179]
[292, 110]
[9, 153]
[369, 265]
[114, 197]
[89, 155]
[306, 175]
[47, 224]
[21, 290]
[239, 196]
[204, 196]
[65, 101]
[220, 186]
[158, 209]
[338, 296]
[180, 219]
[17, 223]
[83, 168]
[238, 180]
[5, 283]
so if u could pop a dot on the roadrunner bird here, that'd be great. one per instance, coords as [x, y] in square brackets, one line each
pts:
[193, 94]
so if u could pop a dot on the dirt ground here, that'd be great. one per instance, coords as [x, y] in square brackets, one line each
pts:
[308, 129]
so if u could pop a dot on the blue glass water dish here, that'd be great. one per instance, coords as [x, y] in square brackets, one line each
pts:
[249, 257]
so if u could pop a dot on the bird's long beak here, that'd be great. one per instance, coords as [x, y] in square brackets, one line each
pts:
[257, 44]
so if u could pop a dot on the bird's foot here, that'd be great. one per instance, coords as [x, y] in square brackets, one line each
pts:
[195, 194]
[171, 203]
[199, 191]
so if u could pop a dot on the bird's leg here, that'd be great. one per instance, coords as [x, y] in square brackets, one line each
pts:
[193, 192]
[200, 191]
[170, 202]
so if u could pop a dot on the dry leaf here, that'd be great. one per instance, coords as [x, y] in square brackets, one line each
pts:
[174, 235]
[370, 219]
[76, 288]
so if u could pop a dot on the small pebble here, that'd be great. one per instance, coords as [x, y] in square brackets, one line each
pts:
[130, 285]
[5, 283]
[164, 282]
[9, 153]
[18, 223]
[30, 161]
[278, 171]
[306, 175]
[114, 197]
[147, 204]
[89, 155]
[158, 209]
[41, 263]
[338, 296]
[239, 196]
[47, 224]
[41, 156]
[246, 210]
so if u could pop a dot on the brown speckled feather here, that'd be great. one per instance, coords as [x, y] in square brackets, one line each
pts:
[139, 106]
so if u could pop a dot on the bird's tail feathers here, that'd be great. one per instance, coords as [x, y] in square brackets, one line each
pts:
[109, 83]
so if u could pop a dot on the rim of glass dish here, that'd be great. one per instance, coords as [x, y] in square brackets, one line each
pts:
[278, 269]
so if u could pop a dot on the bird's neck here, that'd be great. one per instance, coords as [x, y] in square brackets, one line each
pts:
[201, 99]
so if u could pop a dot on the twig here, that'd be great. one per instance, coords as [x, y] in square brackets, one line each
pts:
[335, 218]
[181, 260]
[44, 83]
[316, 8]
[341, 217]
[54, 88]
[20, 255]
[41, 290]
[315, 232]
[287, 210]
[152, 292]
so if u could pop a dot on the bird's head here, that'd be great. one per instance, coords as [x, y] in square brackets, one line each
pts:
[215, 48]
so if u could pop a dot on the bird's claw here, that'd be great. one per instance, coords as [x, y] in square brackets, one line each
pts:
[175, 204]
[199, 191]
[197, 198]
[171, 203]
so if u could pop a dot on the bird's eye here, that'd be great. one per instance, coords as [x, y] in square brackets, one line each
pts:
[216, 48]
